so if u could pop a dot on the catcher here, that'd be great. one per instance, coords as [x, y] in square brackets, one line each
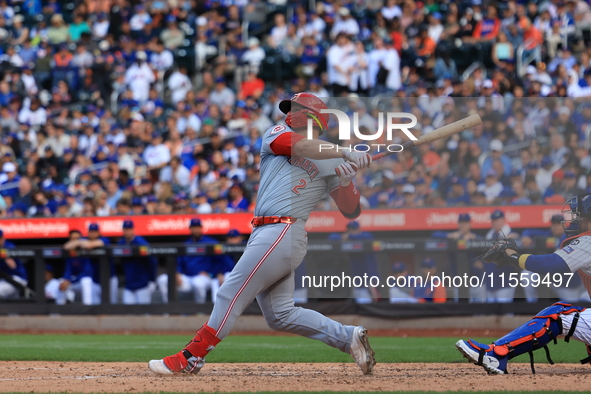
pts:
[558, 319]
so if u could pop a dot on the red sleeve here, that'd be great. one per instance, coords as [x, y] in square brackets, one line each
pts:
[347, 199]
[282, 145]
[539, 37]
[397, 41]
[477, 30]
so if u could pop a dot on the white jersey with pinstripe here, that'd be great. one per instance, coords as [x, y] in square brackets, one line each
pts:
[577, 254]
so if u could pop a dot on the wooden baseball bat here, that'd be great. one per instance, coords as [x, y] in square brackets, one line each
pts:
[442, 132]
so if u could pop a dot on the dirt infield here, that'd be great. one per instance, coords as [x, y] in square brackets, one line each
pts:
[36, 377]
[397, 332]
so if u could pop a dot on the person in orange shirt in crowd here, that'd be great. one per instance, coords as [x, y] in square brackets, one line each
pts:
[396, 35]
[425, 44]
[531, 35]
[252, 86]
[429, 158]
[424, 293]
[63, 57]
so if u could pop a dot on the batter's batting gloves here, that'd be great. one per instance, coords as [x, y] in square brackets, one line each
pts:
[360, 159]
[346, 172]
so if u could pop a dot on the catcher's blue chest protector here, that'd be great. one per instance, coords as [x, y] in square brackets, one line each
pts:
[534, 334]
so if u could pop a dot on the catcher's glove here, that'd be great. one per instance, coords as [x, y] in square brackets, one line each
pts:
[498, 253]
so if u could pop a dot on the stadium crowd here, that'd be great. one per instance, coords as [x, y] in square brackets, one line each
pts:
[122, 107]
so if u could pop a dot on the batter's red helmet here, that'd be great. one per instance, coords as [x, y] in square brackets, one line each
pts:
[300, 118]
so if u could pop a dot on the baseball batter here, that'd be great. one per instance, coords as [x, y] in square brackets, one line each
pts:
[558, 319]
[295, 174]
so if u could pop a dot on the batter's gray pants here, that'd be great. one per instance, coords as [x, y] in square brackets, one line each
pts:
[266, 272]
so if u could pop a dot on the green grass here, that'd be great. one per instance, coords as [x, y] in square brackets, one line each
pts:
[245, 349]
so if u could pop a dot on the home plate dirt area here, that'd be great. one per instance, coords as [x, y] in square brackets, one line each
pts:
[40, 376]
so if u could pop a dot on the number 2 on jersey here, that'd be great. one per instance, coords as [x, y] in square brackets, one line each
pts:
[302, 184]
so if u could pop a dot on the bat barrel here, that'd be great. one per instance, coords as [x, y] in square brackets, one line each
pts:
[442, 132]
[450, 129]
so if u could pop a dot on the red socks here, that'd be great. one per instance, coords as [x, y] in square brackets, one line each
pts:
[203, 342]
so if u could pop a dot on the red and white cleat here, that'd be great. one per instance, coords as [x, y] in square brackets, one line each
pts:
[183, 361]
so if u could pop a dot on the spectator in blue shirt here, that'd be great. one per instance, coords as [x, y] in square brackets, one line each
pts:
[565, 58]
[194, 273]
[12, 268]
[139, 271]
[9, 185]
[457, 196]
[237, 202]
[310, 54]
[137, 207]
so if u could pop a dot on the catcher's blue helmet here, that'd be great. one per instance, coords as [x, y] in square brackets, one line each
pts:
[574, 210]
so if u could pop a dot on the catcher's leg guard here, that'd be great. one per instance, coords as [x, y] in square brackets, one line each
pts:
[533, 335]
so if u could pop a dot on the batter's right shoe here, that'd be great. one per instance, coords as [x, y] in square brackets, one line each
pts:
[361, 351]
[483, 355]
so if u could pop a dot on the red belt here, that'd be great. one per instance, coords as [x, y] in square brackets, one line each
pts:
[262, 220]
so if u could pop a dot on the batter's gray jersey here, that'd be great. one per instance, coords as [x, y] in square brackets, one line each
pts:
[292, 186]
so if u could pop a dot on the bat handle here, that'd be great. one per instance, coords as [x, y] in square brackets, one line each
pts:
[377, 156]
[406, 145]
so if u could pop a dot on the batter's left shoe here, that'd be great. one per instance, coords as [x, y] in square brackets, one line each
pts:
[192, 358]
[361, 351]
[483, 355]
[177, 363]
